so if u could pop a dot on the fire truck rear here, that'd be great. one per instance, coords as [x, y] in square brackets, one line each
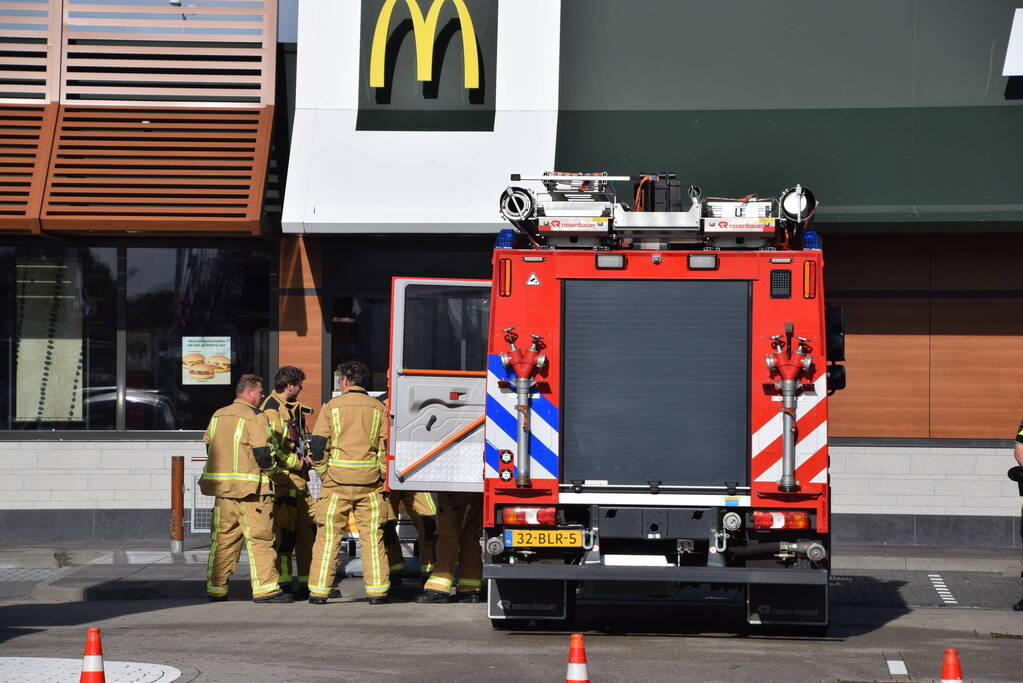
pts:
[654, 400]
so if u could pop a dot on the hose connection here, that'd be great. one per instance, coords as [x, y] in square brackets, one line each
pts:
[524, 363]
[789, 361]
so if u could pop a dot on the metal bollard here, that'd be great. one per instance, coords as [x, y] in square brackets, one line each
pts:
[177, 504]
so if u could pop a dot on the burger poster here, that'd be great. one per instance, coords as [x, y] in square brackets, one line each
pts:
[205, 360]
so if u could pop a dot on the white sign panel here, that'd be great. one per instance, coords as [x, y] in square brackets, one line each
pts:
[400, 126]
[205, 360]
[1014, 53]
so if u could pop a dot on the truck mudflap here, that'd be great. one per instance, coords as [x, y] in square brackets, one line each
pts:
[527, 600]
[799, 606]
[597, 572]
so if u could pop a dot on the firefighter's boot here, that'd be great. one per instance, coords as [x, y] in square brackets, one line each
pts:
[429, 596]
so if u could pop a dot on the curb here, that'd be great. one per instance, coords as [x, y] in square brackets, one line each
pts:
[951, 564]
[43, 558]
[119, 590]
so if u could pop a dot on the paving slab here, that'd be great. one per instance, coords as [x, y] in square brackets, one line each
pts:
[42, 669]
[1005, 561]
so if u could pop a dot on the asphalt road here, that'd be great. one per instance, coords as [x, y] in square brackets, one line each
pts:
[877, 618]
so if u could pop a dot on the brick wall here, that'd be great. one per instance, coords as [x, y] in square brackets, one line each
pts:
[48, 475]
[882, 495]
[923, 481]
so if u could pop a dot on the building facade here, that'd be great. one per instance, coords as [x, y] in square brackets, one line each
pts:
[150, 219]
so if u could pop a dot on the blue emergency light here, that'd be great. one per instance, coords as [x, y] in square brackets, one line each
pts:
[505, 239]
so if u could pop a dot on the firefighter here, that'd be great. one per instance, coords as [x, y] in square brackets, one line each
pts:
[294, 527]
[421, 509]
[348, 454]
[238, 469]
[1018, 453]
[459, 526]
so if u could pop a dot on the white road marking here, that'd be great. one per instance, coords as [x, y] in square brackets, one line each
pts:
[897, 667]
[942, 589]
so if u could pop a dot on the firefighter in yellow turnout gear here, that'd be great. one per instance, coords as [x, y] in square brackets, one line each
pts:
[459, 527]
[349, 455]
[238, 468]
[421, 509]
[294, 526]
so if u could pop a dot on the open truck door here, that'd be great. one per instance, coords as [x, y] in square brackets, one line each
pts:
[437, 384]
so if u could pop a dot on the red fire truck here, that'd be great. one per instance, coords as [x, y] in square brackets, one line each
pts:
[640, 394]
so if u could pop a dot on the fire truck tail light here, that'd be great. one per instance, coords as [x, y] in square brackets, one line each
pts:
[809, 280]
[778, 519]
[529, 515]
[504, 280]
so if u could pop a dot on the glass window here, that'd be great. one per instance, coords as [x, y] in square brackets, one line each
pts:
[445, 327]
[60, 310]
[198, 319]
[360, 330]
[58, 321]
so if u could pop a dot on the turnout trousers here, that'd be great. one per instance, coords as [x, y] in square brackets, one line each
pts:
[294, 534]
[236, 522]
[459, 526]
[421, 510]
[333, 507]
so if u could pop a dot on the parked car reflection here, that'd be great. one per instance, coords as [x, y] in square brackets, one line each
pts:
[144, 408]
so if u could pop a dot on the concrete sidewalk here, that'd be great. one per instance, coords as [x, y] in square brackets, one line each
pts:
[147, 570]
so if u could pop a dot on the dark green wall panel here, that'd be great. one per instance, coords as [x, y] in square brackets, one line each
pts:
[892, 111]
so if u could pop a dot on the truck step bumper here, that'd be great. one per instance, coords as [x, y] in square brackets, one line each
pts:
[733, 575]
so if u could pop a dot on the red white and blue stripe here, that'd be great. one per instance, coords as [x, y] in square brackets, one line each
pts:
[502, 424]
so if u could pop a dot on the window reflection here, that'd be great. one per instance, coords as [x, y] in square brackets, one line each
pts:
[57, 336]
[181, 294]
[445, 327]
[59, 308]
[360, 330]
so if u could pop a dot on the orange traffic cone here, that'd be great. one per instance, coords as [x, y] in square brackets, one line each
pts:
[950, 670]
[576, 661]
[92, 662]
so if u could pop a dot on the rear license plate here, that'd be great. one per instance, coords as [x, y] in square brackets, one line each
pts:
[550, 538]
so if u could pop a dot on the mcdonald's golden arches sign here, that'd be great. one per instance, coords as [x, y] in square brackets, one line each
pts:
[427, 65]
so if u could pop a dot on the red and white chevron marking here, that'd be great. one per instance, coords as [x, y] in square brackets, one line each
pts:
[811, 444]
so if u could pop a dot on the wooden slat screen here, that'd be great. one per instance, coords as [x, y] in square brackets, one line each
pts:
[29, 64]
[164, 169]
[203, 52]
[29, 50]
[138, 115]
[26, 132]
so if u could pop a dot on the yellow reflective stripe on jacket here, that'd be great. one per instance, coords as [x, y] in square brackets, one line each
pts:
[338, 462]
[335, 416]
[213, 428]
[237, 441]
[335, 419]
[232, 476]
[288, 464]
[374, 431]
